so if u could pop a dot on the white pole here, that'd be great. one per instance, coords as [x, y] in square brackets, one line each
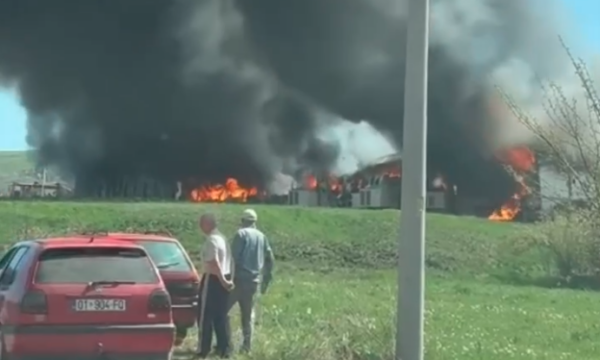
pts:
[43, 182]
[411, 263]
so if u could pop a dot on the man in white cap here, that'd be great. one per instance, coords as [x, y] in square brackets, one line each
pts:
[253, 259]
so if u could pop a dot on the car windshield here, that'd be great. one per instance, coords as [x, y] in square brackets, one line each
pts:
[95, 264]
[167, 255]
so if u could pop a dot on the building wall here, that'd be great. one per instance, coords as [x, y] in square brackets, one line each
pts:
[124, 187]
[554, 188]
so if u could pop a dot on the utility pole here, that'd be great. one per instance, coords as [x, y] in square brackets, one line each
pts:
[411, 245]
[44, 178]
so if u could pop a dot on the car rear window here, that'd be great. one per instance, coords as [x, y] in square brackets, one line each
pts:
[89, 264]
[166, 255]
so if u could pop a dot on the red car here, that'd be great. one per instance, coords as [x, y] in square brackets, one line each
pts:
[178, 273]
[82, 298]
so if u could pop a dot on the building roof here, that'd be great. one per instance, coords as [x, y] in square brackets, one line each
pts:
[381, 164]
[37, 184]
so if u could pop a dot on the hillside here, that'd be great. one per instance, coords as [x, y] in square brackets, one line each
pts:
[324, 236]
[19, 166]
[13, 166]
[335, 283]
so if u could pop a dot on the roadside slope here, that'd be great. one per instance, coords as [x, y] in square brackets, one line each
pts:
[321, 237]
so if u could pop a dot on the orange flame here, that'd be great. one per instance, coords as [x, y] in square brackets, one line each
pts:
[510, 209]
[310, 182]
[393, 174]
[392, 171]
[335, 184]
[231, 190]
[521, 159]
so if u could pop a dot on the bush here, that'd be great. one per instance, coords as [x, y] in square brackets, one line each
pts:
[567, 246]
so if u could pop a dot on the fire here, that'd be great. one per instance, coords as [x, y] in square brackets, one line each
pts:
[335, 184]
[310, 182]
[521, 160]
[510, 209]
[392, 172]
[231, 190]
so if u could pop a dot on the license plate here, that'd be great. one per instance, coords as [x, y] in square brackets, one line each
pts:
[85, 305]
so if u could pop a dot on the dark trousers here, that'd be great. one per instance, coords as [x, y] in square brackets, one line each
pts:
[213, 315]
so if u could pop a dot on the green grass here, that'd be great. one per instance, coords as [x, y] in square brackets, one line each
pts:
[323, 237]
[13, 165]
[334, 292]
[15, 161]
[345, 314]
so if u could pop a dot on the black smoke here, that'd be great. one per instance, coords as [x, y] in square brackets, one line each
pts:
[209, 89]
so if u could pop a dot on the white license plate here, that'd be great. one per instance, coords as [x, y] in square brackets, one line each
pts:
[99, 305]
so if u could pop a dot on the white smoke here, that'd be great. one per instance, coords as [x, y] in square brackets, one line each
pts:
[360, 144]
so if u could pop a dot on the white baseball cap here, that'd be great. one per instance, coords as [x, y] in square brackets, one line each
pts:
[249, 215]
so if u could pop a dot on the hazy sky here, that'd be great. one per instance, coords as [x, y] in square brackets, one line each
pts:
[12, 116]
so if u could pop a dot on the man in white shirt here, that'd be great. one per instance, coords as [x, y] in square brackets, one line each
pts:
[214, 291]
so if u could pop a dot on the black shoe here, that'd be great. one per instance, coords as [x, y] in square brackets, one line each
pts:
[223, 354]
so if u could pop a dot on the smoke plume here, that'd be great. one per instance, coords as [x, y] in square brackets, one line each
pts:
[209, 89]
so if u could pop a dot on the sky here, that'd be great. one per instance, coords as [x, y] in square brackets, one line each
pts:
[584, 14]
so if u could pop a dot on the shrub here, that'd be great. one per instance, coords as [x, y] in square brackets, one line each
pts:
[566, 246]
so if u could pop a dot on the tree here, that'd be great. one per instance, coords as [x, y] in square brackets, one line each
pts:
[568, 141]
[568, 137]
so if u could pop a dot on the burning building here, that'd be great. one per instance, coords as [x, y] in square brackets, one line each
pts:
[526, 203]
[152, 188]
[211, 100]
[379, 186]
[231, 190]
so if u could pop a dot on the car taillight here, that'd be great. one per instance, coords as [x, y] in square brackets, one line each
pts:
[159, 301]
[34, 302]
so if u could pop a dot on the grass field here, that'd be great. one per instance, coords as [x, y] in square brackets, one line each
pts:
[14, 162]
[334, 292]
[13, 165]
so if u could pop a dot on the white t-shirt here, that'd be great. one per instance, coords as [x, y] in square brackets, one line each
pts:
[216, 246]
